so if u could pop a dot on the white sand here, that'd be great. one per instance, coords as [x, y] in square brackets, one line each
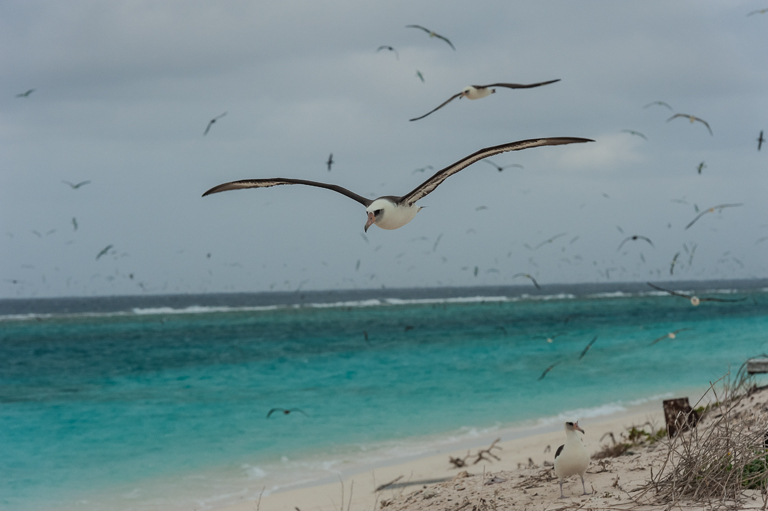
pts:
[419, 474]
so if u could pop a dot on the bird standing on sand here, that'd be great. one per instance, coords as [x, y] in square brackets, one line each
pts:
[481, 91]
[392, 212]
[432, 34]
[571, 458]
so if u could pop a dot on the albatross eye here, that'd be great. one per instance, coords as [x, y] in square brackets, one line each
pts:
[378, 212]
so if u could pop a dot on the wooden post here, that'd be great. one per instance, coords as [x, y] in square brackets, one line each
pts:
[679, 416]
[757, 365]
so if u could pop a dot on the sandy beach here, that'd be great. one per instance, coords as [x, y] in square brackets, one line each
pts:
[522, 479]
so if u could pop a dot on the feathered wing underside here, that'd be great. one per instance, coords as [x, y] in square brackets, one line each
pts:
[711, 210]
[515, 85]
[438, 108]
[433, 182]
[266, 183]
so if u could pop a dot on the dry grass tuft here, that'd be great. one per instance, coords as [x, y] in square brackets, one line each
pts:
[714, 463]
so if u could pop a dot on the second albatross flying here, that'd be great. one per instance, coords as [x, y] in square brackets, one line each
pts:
[391, 212]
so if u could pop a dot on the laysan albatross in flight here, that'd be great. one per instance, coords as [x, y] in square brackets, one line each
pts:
[392, 212]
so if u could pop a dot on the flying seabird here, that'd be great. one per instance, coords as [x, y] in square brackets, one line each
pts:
[286, 411]
[74, 222]
[712, 210]
[548, 369]
[76, 186]
[390, 49]
[701, 166]
[104, 251]
[660, 103]
[550, 240]
[571, 458]
[760, 140]
[500, 168]
[330, 162]
[692, 118]
[674, 261]
[528, 277]
[421, 76]
[633, 132]
[432, 34]
[634, 238]
[210, 123]
[428, 167]
[670, 335]
[695, 300]
[760, 11]
[481, 91]
[587, 348]
[25, 94]
[391, 212]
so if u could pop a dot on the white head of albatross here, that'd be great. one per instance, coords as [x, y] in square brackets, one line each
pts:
[571, 458]
[392, 212]
[388, 214]
[471, 92]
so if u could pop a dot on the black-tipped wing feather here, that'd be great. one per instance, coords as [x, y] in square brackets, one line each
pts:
[433, 182]
[266, 183]
[516, 85]
[438, 108]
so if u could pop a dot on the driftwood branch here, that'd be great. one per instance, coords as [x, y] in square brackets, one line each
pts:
[482, 454]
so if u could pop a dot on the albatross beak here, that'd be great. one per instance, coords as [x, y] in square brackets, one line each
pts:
[370, 222]
[577, 428]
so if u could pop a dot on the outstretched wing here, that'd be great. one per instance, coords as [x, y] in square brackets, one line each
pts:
[710, 210]
[433, 182]
[438, 108]
[266, 183]
[428, 31]
[515, 85]
[668, 291]
[446, 40]
[705, 123]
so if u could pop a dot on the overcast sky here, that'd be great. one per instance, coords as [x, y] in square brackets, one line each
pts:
[123, 91]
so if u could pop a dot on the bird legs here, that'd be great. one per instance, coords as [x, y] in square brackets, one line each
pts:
[584, 487]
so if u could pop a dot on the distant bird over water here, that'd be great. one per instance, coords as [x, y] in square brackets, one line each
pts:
[547, 370]
[481, 91]
[659, 103]
[634, 238]
[25, 94]
[670, 335]
[759, 11]
[528, 277]
[587, 348]
[104, 251]
[397, 56]
[76, 186]
[392, 212]
[695, 300]
[637, 133]
[211, 123]
[701, 166]
[500, 168]
[692, 118]
[712, 210]
[286, 411]
[432, 34]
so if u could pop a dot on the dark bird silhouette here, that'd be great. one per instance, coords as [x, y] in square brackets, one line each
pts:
[392, 212]
[692, 118]
[528, 277]
[701, 166]
[422, 169]
[481, 91]
[286, 411]
[421, 76]
[432, 34]
[760, 140]
[759, 11]
[670, 335]
[74, 222]
[25, 94]
[660, 103]
[104, 251]
[330, 162]
[633, 132]
[211, 123]
[587, 348]
[548, 369]
[674, 262]
[500, 168]
[712, 210]
[76, 186]
[550, 240]
[634, 238]
[397, 56]
[695, 300]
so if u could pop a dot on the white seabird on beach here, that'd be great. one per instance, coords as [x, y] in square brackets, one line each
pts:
[571, 458]
[392, 212]
[481, 91]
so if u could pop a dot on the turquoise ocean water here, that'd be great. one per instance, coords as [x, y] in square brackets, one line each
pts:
[153, 403]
